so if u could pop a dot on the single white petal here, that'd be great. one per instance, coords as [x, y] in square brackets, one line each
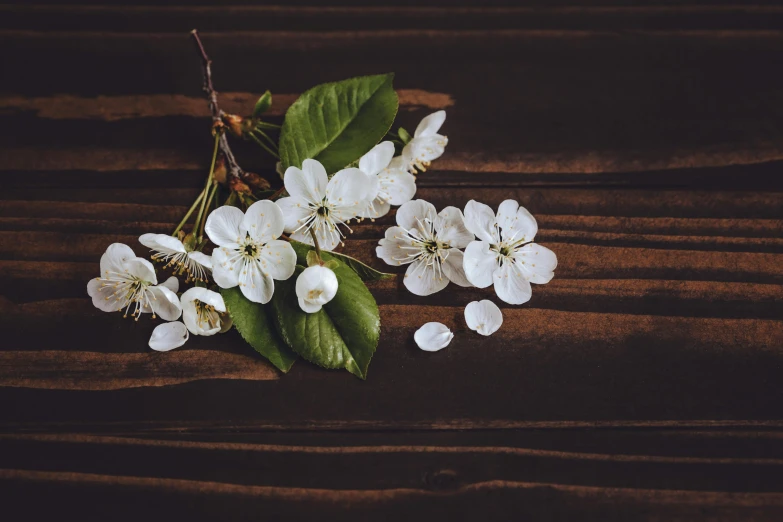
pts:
[223, 225]
[162, 243]
[483, 317]
[141, 269]
[480, 264]
[103, 295]
[255, 283]
[369, 210]
[278, 259]
[377, 159]
[225, 267]
[433, 337]
[316, 285]
[480, 219]
[307, 184]
[423, 280]
[349, 191]
[516, 222]
[114, 259]
[392, 247]
[164, 303]
[536, 262]
[172, 283]
[295, 212]
[450, 226]
[206, 296]
[168, 336]
[201, 258]
[397, 186]
[454, 268]
[425, 149]
[431, 124]
[511, 284]
[263, 221]
[379, 208]
[309, 307]
[414, 213]
[327, 239]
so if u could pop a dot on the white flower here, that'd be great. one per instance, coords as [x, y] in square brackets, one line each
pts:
[389, 180]
[505, 255]
[201, 309]
[322, 204]
[173, 252]
[249, 253]
[315, 286]
[483, 317]
[426, 144]
[433, 337]
[168, 336]
[129, 282]
[429, 242]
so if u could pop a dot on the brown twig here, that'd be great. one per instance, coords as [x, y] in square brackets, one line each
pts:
[234, 170]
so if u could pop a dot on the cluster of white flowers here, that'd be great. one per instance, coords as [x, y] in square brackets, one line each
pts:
[498, 251]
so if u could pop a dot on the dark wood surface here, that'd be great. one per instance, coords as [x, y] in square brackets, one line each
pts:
[643, 383]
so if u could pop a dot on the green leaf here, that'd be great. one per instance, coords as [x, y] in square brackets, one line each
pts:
[263, 104]
[343, 334]
[254, 324]
[336, 123]
[404, 136]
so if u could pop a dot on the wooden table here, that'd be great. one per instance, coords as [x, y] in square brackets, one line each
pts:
[643, 383]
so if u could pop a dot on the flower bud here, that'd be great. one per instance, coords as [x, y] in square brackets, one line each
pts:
[315, 286]
[235, 124]
[236, 185]
[220, 171]
[255, 181]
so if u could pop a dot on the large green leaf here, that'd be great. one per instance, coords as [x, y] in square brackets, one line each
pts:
[256, 327]
[336, 123]
[343, 334]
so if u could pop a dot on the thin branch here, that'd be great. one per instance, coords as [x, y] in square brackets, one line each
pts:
[234, 170]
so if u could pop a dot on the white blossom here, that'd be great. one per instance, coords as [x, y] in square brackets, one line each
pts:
[315, 286]
[430, 244]
[390, 182]
[433, 337]
[201, 311]
[129, 283]
[248, 252]
[173, 252]
[168, 336]
[322, 204]
[427, 144]
[505, 254]
[483, 317]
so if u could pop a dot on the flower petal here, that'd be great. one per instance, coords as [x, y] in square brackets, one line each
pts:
[450, 226]
[454, 268]
[425, 149]
[327, 239]
[422, 279]
[377, 159]
[162, 243]
[392, 247]
[480, 263]
[103, 298]
[307, 184]
[349, 191]
[309, 307]
[516, 222]
[278, 259]
[430, 124]
[480, 219]
[433, 337]
[511, 284]
[255, 284]
[379, 208]
[536, 262]
[201, 258]
[369, 209]
[115, 257]
[164, 303]
[412, 214]
[172, 283]
[263, 221]
[141, 269]
[295, 212]
[316, 284]
[168, 336]
[483, 317]
[225, 267]
[397, 186]
[223, 225]
[206, 296]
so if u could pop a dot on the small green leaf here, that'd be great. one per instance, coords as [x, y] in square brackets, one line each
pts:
[263, 104]
[404, 136]
[367, 273]
[336, 123]
[256, 327]
[343, 334]
[312, 258]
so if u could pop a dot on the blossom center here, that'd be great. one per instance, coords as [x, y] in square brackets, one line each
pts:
[314, 294]
[206, 315]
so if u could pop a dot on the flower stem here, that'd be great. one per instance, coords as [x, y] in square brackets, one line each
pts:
[209, 200]
[269, 140]
[267, 125]
[317, 246]
[187, 216]
[264, 145]
[205, 192]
